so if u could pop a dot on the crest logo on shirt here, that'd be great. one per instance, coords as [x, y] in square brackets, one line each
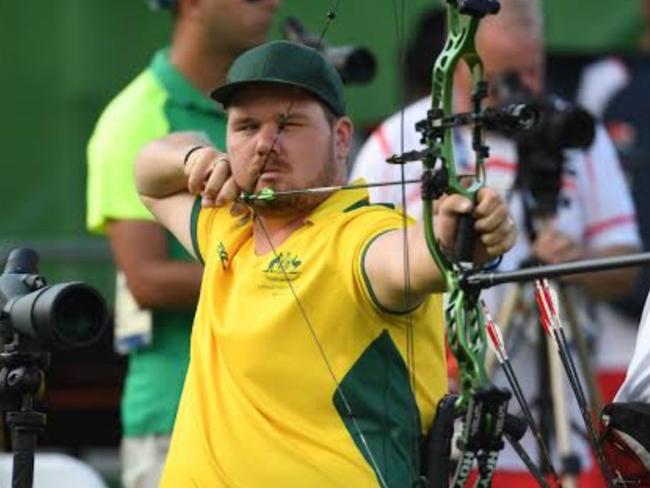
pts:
[223, 254]
[284, 262]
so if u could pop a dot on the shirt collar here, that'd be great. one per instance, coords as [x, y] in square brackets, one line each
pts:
[339, 202]
[179, 87]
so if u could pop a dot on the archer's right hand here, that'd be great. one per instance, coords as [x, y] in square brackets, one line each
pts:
[209, 176]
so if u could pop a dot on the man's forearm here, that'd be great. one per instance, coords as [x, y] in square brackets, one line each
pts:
[166, 284]
[386, 269]
[496, 233]
[140, 249]
[159, 170]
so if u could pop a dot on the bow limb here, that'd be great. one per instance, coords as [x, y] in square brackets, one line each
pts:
[465, 325]
[483, 405]
[460, 46]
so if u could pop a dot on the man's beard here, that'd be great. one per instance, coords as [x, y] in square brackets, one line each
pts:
[290, 205]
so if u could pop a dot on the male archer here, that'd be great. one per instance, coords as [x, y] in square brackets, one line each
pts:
[313, 363]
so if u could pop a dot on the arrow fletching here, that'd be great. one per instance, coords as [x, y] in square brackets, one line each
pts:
[495, 335]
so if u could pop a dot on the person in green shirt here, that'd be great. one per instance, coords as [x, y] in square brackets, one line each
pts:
[157, 283]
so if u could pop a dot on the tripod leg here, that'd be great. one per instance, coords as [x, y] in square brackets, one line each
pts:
[25, 427]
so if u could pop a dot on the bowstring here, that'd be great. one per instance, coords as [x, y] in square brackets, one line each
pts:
[400, 34]
[331, 15]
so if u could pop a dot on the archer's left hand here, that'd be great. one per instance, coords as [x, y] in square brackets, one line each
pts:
[493, 223]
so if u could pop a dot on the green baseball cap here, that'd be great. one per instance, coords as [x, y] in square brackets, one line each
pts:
[285, 63]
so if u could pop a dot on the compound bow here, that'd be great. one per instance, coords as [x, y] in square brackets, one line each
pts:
[484, 405]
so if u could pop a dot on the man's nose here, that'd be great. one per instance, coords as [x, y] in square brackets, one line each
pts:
[267, 139]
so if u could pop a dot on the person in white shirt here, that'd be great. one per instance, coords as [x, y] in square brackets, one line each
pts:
[598, 219]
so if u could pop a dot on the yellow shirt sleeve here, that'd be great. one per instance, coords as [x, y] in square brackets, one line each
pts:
[214, 231]
[357, 236]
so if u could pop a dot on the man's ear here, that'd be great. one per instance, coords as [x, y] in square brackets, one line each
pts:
[343, 131]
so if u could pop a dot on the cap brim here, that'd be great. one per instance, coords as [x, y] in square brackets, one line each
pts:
[225, 93]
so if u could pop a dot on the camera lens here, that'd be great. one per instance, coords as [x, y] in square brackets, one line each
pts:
[78, 315]
[354, 64]
[66, 315]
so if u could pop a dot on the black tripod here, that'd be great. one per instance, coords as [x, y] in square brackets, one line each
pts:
[34, 315]
[21, 382]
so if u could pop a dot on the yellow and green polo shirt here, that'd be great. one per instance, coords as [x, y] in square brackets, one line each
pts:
[158, 101]
[260, 405]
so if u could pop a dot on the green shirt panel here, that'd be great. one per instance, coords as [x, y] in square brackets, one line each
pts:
[159, 101]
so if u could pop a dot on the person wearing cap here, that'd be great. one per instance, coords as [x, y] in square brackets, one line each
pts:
[157, 281]
[298, 369]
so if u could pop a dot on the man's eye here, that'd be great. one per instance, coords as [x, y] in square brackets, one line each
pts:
[246, 128]
[291, 124]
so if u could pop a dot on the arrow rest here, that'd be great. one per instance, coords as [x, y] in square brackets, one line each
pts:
[434, 183]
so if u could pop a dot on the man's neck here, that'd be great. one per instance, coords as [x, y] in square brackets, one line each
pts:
[199, 62]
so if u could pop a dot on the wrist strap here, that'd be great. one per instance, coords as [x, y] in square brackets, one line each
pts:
[189, 153]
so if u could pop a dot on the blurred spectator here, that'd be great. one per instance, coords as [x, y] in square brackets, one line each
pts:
[615, 90]
[157, 285]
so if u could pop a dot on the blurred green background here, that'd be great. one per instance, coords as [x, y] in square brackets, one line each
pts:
[63, 61]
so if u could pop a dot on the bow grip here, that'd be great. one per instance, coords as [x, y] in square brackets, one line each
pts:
[465, 239]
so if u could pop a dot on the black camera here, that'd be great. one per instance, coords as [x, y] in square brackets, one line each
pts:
[355, 65]
[560, 126]
[34, 317]
[63, 316]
